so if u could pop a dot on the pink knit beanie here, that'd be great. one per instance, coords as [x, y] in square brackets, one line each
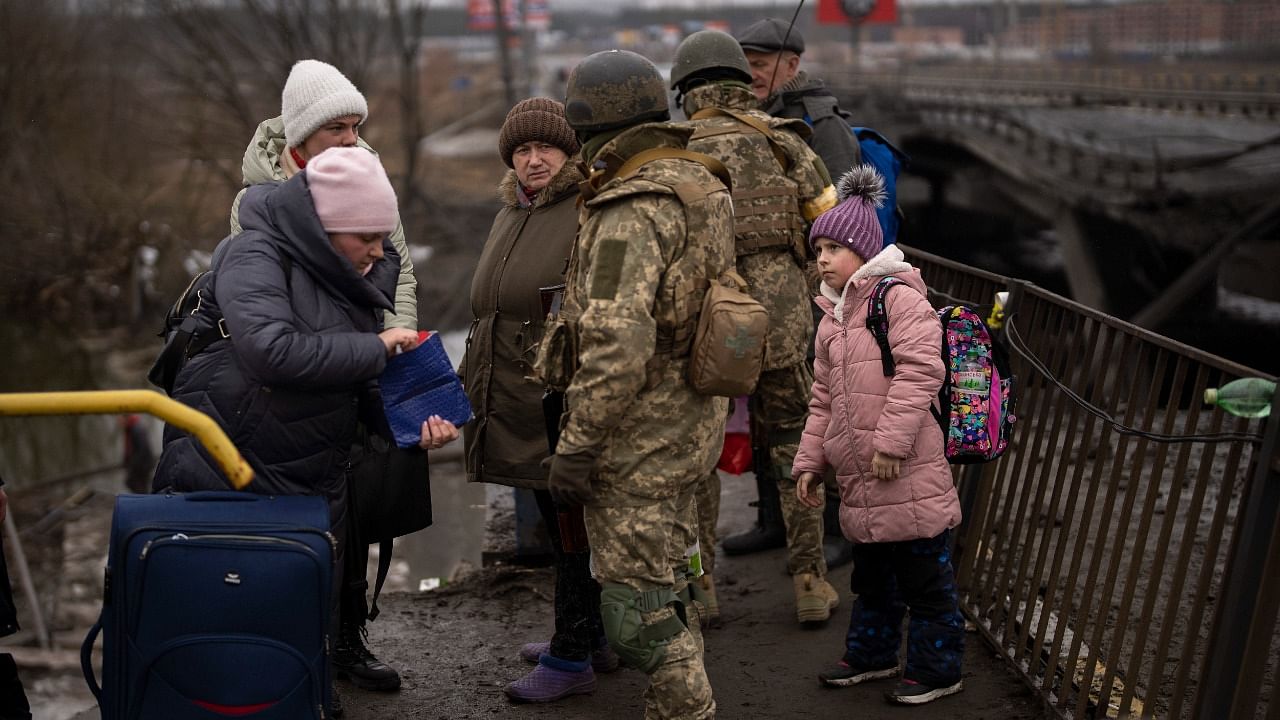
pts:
[853, 223]
[351, 191]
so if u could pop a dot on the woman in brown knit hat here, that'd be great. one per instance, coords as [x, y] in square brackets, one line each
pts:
[528, 250]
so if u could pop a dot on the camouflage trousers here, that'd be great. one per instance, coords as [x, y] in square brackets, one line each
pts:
[779, 408]
[639, 547]
[705, 515]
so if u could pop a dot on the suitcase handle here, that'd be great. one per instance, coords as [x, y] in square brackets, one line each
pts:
[220, 496]
[86, 660]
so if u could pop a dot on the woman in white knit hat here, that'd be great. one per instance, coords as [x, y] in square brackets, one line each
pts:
[321, 109]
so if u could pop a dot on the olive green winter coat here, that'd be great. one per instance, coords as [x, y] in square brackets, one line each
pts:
[528, 248]
[262, 164]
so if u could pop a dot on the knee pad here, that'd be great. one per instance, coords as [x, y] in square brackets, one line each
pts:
[639, 644]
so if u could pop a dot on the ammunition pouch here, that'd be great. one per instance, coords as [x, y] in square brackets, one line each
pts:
[639, 644]
[557, 356]
[694, 596]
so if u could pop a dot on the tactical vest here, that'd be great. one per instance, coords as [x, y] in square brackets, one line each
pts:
[687, 279]
[766, 203]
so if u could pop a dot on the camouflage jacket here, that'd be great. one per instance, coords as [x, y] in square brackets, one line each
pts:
[650, 244]
[779, 187]
[263, 163]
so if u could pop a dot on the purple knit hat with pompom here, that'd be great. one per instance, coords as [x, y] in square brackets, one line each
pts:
[853, 223]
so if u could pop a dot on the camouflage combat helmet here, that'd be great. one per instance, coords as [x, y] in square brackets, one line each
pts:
[614, 89]
[707, 50]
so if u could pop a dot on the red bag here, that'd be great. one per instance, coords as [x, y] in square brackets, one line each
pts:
[735, 456]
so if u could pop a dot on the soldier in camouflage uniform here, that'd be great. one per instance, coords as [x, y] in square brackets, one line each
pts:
[773, 48]
[656, 230]
[779, 187]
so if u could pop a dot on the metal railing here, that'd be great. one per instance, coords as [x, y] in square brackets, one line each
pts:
[1124, 554]
[119, 402]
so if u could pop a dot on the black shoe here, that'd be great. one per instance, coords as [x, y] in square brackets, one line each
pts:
[352, 660]
[910, 692]
[837, 551]
[758, 539]
[335, 703]
[844, 674]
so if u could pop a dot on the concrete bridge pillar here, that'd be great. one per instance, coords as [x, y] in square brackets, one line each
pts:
[1079, 259]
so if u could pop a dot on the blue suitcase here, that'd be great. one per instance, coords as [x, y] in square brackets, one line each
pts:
[215, 605]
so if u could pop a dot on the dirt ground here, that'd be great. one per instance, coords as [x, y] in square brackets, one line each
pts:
[456, 647]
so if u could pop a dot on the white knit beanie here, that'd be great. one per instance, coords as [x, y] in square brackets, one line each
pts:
[315, 93]
[351, 191]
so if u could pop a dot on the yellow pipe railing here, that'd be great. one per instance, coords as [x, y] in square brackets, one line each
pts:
[112, 402]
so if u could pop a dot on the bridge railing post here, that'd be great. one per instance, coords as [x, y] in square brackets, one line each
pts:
[1245, 614]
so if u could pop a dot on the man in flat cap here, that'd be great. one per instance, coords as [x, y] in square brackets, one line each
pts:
[773, 48]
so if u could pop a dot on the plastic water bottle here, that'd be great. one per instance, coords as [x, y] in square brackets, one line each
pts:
[694, 554]
[1247, 397]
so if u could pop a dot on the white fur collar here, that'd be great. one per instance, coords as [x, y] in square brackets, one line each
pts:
[888, 261]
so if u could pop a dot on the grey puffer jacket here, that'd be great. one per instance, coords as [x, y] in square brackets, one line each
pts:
[809, 99]
[303, 353]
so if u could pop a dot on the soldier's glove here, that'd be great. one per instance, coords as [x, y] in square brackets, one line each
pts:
[569, 481]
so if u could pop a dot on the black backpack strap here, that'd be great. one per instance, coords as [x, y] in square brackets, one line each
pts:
[878, 320]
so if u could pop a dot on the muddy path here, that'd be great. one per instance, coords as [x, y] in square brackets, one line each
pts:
[456, 647]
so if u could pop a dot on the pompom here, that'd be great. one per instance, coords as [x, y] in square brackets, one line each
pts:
[865, 182]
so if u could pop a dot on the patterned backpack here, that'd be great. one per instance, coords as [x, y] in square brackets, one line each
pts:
[976, 398]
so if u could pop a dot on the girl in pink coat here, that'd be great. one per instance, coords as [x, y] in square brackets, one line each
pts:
[878, 433]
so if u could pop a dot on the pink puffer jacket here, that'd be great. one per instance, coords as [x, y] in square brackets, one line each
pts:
[856, 410]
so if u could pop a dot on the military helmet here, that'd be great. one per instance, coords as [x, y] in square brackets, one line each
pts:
[614, 89]
[707, 50]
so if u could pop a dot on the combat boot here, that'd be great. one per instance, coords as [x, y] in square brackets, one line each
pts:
[352, 660]
[709, 599]
[815, 598]
[769, 531]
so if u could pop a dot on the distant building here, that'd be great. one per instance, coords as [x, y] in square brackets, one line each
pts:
[1154, 27]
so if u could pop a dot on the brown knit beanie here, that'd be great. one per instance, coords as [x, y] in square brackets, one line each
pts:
[536, 120]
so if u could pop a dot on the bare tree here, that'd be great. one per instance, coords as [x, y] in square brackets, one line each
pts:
[226, 63]
[406, 35]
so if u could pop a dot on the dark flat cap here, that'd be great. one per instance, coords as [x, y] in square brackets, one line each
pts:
[770, 35]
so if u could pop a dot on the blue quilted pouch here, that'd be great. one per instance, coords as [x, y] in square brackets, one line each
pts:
[418, 384]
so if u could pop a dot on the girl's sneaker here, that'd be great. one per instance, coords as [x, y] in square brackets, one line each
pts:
[910, 692]
[844, 674]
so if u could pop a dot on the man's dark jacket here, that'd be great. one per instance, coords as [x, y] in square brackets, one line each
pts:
[303, 353]
[808, 99]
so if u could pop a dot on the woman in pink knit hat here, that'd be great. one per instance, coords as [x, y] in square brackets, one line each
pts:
[875, 427]
[302, 293]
